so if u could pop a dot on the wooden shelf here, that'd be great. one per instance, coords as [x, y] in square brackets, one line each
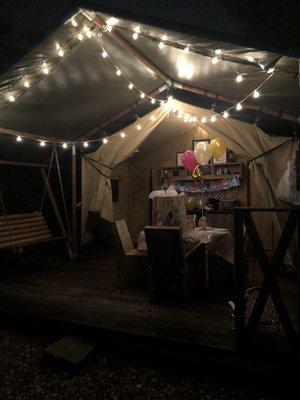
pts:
[205, 177]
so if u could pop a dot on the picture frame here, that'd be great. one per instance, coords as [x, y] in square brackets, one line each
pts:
[179, 156]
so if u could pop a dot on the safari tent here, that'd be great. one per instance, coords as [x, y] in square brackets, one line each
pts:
[105, 107]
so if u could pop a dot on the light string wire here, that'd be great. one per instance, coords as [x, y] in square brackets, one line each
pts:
[89, 33]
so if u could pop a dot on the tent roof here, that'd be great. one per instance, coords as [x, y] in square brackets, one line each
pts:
[82, 88]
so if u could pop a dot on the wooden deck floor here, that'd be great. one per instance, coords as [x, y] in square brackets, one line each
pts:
[86, 293]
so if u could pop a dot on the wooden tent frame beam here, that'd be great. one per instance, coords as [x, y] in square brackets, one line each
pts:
[30, 136]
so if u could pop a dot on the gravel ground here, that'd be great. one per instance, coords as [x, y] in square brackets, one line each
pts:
[25, 375]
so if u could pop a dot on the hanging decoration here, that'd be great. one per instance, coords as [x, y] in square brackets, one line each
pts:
[218, 148]
[203, 152]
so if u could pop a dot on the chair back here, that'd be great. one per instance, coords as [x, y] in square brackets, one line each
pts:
[167, 264]
[125, 244]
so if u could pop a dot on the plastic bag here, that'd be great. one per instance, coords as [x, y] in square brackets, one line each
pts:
[287, 187]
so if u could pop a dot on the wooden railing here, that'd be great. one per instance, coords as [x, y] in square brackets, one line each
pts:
[244, 224]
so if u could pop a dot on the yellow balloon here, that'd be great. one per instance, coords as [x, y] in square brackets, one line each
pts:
[218, 148]
[191, 202]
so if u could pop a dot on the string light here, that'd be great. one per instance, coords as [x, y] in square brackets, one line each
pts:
[239, 107]
[187, 48]
[61, 53]
[85, 144]
[19, 139]
[225, 114]
[203, 120]
[153, 118]
[105, 140]
[118, 72]
[256, 94]
[11, 98]
[250, 58]
[130, 86]
[213, 118]
[122, 134]
[104, 54]
[218, 52]
[135, 35]
[74, 22]
[88, 34]
[271, 70]
[215, 60]
[142, 95]
[45, 69]
[164, 37]
[26, 83]
[80, 37]
[239, 78]
[161, 45]
[42, 143]
[152, 101]
[138, 127]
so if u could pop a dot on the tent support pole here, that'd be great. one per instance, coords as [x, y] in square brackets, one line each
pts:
[248, 173]
[74, 199]
[56, 210]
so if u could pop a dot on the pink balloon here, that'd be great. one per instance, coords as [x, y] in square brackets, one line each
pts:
[189, 160]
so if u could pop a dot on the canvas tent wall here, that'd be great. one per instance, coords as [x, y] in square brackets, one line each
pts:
[246, 140]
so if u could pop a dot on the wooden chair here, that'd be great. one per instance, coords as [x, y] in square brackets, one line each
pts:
[21, 230]
[169, 267]
[132, 263]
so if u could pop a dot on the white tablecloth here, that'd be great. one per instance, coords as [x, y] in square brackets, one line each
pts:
[218, 241]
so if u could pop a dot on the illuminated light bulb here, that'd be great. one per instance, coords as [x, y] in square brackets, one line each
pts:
[118, 72]
[170, 98]
[142, 95]
[64, 145]
[138, 127]
[225, 115]
[186, 118]
[19, 139]
[203, 120]
[112, 21]
[239, 106]
[85, 144]
[153, 118]
[213, 118]
[186, 49]
[88, 34]
[104, 54]
[80, 37]
[105, 140]
[215, 60]
[26, 83]
[61, 53]
[179, 115]
[122, 134]
[218, 51]
[135, 36]
[42, 143]
[256, 94]
[250, 58]
[74, 22]
[152, 101]
[137, 29]
[271, 70]
[161, 45]
[239, 78]
[164, 37]
[130, 86]
[45, 69]
[57, 45]
[11, 98]
[109, 28]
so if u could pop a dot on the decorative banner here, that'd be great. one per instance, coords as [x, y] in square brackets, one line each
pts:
[203, 152]
[218, 148]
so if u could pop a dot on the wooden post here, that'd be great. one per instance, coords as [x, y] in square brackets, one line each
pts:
[239, 271]
[248, 177]
[56, 210]
[74, 200]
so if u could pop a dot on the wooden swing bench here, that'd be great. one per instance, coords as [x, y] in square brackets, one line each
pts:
[21, 230]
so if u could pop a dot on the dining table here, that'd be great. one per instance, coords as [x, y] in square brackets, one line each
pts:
[217, 241]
